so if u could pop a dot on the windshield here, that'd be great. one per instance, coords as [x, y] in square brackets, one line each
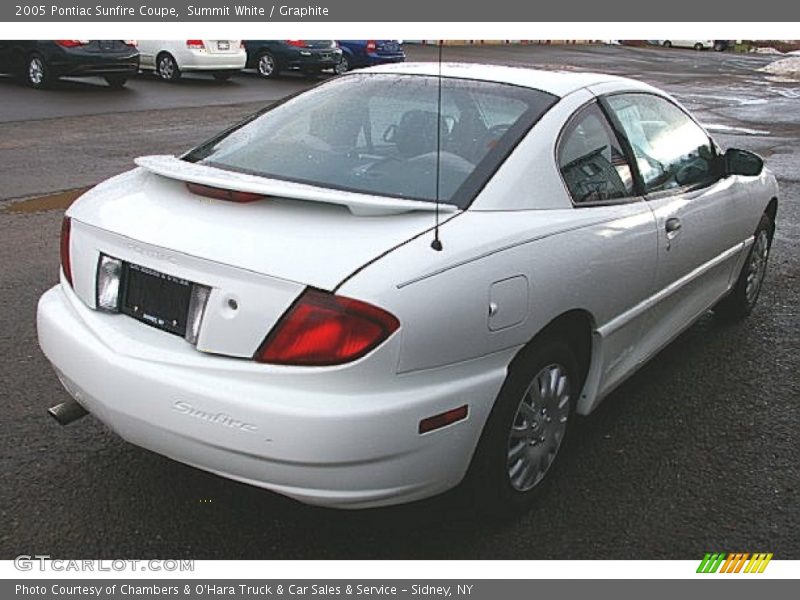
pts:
[377, 134]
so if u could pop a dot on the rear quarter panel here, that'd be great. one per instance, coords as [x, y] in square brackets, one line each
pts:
[599, 260]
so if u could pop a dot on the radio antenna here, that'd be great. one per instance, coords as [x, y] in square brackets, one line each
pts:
[436, 244]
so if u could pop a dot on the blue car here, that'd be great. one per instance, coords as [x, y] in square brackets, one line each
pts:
[365, 53]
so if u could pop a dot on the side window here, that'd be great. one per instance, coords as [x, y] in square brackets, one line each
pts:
[671, 150]
[591, 160]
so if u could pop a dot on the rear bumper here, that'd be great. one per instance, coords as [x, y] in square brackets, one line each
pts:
[383, 59]
[196, 60]
[313, 437]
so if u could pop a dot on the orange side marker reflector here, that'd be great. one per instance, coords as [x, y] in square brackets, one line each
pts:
[443, 419]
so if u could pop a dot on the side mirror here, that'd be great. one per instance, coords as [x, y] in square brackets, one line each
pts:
[743, 162]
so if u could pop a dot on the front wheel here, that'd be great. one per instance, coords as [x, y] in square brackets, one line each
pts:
[698, 46]
[526, 428]
[667, 44]
[743, 297]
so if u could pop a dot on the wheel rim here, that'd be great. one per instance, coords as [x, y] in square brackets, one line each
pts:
[36, 71]
[538, 427]
[166, 67]
[343, 66]
[757, 267]
[266, 65]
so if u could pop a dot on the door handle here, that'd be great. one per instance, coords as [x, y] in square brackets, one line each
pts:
[673, 227]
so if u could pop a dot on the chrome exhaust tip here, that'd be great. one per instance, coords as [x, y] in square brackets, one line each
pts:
[67, 412]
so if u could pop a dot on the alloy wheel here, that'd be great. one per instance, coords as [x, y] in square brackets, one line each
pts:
[538, 427]
[166, 67]
[266, 65]
[757, 267]
[36, 71]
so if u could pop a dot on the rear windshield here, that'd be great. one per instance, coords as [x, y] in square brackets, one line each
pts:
[377, 134]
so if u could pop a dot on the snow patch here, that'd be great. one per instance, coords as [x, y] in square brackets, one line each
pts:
[786, 67]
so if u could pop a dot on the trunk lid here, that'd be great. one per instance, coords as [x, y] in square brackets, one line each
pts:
[314, 243]
[320, 44]
[222, 46]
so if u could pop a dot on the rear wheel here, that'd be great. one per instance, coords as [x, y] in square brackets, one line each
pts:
[167, 68]
[743, 297]
[667, 44]
[266, 65]
[116, 81]
[698, 46]
[37, 73]
[526, 428]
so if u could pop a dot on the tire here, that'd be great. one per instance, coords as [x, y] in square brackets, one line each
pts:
[167, 67]
[698, 46]
[343, 66]
[222, 75]
[719, 47]
[742, 299]
[37, 74]
[526, 429]
[266, 65]
[667, 44]
[116, 81]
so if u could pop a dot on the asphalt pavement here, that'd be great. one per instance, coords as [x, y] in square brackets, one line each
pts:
[696, 452]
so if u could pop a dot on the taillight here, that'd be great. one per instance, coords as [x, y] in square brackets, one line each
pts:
[223, 194]
[66, 265]
[71, 43]
[297, 43]
[323, 329]
[371, 46]
[195, 45]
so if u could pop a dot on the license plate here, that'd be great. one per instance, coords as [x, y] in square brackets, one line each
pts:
[155, 298]
[223, 46]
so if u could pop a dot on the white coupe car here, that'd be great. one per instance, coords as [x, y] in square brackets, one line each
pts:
[278, 305]
[169, 59]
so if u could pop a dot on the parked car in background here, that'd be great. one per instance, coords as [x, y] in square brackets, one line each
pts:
[364, 303]
[696, 44]
[366, 53]
[41, 62]
[270, 57]
[171, 58]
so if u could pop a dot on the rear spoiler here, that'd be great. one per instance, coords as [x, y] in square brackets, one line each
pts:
[358, 204]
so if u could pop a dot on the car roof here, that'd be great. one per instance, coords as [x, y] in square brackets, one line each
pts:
[558, 83]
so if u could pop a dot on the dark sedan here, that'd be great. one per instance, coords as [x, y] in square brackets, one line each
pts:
[270, 57]
[41, 62]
